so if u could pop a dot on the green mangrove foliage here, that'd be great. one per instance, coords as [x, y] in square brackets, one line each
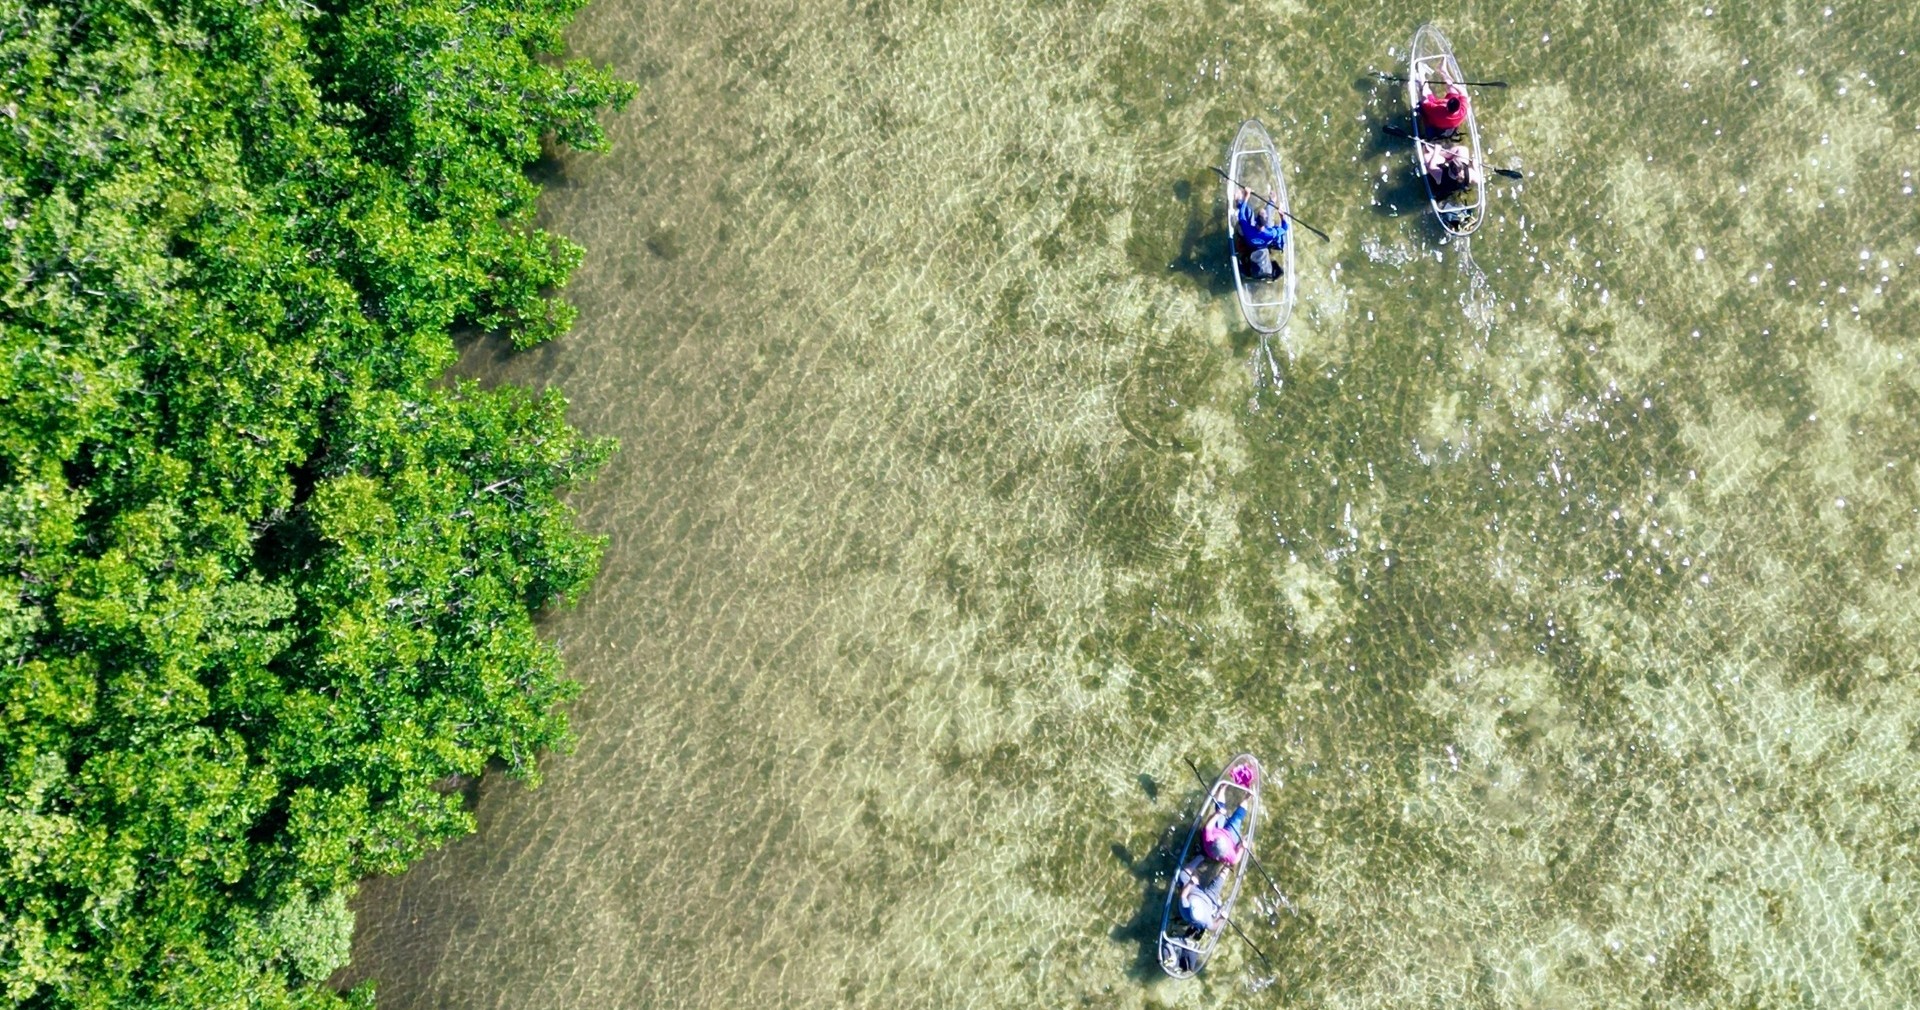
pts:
[270, 582]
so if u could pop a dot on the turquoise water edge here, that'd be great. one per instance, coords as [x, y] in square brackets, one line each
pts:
[1562, 578]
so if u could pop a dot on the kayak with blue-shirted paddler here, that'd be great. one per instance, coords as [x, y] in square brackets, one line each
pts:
[1258, 223]
[1213, 864]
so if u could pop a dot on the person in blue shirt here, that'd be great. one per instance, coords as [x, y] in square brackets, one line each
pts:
[1262, 232]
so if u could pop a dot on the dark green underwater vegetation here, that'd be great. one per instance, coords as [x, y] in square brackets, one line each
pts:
[269, 595]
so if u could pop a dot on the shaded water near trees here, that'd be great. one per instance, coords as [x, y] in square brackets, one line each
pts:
[1564, 582]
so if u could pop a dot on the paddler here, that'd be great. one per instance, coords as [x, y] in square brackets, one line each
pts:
[1200, 904]
[1443, 112]
[1220, 837]
[1450, 168]
[1264, 230]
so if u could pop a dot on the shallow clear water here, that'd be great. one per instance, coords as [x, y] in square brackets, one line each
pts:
[1564, 580]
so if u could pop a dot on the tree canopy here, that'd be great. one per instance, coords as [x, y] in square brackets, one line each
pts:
[272, 578]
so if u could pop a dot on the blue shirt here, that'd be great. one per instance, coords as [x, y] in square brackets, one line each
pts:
[1257, 235]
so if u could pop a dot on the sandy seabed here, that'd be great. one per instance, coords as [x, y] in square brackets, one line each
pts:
[1563, 580]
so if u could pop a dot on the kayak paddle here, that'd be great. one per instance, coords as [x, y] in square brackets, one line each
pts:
[1464, 84]
[1256, 947]
[1394, 131]
[1288, 214]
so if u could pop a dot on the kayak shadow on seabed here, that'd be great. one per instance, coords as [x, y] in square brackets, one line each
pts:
[1154, 870]
[1402, 194]
[1204, 242]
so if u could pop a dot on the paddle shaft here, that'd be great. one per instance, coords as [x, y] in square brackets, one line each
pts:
[1263, 199]
[1464, 84]
[1394, 131]
[1242, 934]
[1204, 784]
[1264, 873]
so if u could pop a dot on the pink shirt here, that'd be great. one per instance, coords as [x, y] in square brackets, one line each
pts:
[1220, 844]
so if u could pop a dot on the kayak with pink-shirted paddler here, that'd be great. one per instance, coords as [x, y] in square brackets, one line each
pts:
[1185, 948]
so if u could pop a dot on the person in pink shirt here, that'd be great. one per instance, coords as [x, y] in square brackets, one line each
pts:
[1221, 837]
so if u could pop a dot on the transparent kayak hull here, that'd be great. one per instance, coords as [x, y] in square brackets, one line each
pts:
[1430, 61]
[1254, 162]
[1183, 950]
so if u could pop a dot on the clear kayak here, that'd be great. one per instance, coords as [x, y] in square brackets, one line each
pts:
[1253, 162]
[1185, 948]
[1431, 67]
